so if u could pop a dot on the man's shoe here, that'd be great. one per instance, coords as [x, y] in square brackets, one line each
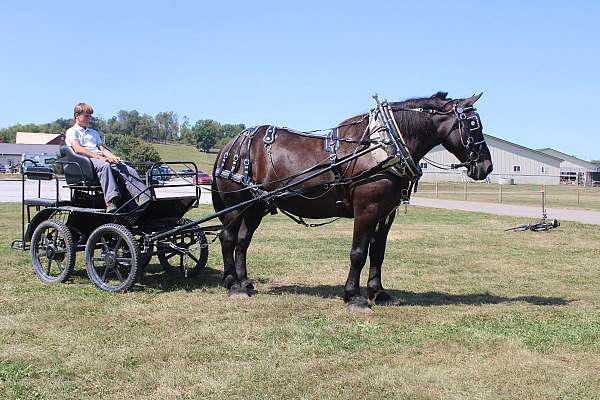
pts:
[111, 207]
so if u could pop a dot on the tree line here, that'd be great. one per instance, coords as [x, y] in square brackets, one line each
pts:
[164, 127]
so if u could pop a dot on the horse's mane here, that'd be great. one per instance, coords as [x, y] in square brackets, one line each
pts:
[411, 122]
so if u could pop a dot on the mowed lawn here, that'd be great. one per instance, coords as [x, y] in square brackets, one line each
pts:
[180, 152]
[479, 313]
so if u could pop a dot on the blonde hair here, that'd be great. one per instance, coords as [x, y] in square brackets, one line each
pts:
[81, 108]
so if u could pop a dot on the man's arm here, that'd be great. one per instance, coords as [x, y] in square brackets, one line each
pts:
[79, 149]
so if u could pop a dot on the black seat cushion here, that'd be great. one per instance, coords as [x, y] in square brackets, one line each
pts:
[46, 202]
[79, 169]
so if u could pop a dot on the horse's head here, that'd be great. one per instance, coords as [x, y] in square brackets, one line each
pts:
[459, 130]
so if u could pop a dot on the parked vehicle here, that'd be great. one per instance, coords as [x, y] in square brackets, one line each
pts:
[202, 178]
[185, 173]
[160, 174]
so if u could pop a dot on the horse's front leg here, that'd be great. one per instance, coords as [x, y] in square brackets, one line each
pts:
[250, 222]
[363, 232]
[375, 289]
[229, 233]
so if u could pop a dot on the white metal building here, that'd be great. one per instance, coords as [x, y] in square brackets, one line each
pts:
[13, 154]
[511, 161]
[573, 170]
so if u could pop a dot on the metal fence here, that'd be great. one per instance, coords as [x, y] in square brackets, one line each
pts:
[560, 196]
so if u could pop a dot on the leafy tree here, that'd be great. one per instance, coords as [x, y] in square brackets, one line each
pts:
[230, 130]
[132, 149]
[167, 123]
[206, 132]
[185, 132]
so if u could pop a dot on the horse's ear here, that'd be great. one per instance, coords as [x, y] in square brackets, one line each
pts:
[440, 95]
[471, 100]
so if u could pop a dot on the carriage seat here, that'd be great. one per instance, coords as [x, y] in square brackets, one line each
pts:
[42, 173]
[79, 170]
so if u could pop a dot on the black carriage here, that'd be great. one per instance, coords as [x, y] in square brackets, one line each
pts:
[118, 245]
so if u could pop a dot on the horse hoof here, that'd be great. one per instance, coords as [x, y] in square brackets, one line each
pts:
[248, 287]
[237, 292]
[359, 305]
[356, 309]
[238, 295]
[383, 299]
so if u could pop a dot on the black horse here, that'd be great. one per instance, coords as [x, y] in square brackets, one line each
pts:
[423, 123]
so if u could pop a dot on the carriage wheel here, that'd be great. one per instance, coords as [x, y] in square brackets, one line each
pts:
[53, 251]
[112, 256]
[185, 254]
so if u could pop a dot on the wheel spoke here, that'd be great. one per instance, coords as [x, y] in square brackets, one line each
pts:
[124, 260]
[118, 244]
[104, 244]
[104, 274]
[190, 255]
[48, 267]
[171, 255]
[98, 258]
[118, 272]
[59, 265]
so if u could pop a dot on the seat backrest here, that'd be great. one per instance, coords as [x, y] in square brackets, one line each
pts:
[79, 170]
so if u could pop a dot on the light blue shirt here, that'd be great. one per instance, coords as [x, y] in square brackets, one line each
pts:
[89, 138]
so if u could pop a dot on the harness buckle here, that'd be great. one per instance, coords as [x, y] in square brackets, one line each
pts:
[473, 122]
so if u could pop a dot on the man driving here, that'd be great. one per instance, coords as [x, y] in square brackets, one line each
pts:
[88, 142]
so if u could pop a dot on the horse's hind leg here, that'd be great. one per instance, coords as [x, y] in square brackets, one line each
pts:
[375, 289]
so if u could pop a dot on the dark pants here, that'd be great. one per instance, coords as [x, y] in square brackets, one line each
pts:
[115, 178]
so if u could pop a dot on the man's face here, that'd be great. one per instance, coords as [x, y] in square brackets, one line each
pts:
[83, 119]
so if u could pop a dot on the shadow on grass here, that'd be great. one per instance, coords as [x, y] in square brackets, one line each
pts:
[406, 298]
[154, 277]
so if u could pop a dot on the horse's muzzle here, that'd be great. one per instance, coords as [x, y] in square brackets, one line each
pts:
[479, 171]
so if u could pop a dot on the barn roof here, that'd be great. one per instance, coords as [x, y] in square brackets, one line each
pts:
[567, 157]
[523, 148]
[36, 137]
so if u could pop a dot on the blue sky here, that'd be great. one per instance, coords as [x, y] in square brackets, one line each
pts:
[307, 64]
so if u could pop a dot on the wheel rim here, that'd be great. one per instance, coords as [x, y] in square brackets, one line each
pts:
[50, 252]
[181, 261]
[111, 259]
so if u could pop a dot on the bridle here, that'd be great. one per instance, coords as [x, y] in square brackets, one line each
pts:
[468, 121]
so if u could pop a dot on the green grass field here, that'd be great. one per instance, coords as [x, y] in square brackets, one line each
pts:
[560, 196]
[180, 152]
[480, 313]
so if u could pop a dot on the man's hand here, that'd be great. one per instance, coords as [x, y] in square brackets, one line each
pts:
[111, 158]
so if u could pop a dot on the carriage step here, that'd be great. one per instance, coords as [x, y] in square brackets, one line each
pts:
[19, 245]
